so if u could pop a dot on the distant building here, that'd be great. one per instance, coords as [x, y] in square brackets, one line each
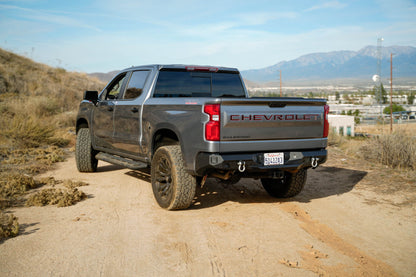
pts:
[342, 124]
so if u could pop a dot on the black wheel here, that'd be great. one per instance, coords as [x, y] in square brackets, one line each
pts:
[173, 187]
[290, 185]
[84, 153]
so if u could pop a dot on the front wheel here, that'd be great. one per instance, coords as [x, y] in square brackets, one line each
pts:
[289, 186]
[173, 187]
[84, 153]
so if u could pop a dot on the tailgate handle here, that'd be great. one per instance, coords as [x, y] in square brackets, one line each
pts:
[276, 105]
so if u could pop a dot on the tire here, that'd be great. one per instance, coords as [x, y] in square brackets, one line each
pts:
[173, 187]
[84, 153]
[290, 186]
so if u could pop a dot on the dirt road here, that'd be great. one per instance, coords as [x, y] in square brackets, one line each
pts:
[340, 225]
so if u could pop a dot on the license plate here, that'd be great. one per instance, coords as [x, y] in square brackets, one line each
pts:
[274, 158]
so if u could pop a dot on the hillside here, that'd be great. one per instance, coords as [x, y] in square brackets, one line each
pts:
[38, 104]
[105, 77]
[360, 64]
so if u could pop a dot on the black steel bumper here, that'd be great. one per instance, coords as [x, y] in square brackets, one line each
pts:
[254, 162]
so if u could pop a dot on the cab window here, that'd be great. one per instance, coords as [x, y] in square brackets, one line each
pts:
[114, 89]
[136, 84]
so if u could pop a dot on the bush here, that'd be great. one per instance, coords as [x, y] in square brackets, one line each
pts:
[9, 226]
[395, 108]
[335, 139]
[15, 184]
[27, 132]
[395, 150]
[52, 196]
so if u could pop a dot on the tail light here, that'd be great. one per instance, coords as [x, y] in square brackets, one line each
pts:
[201, 68]
[326, 122]
[212, 127]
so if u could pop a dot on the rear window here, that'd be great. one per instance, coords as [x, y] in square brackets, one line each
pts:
[198, 84]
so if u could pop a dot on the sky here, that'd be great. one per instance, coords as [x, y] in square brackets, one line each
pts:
[106, 35]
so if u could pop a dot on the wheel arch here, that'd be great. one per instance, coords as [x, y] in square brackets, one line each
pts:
[164, 137]
[81, 123]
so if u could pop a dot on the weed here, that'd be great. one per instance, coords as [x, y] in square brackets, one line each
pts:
[53, 196]
[26, 133]
[15, 184]
[36, 103]
[9, 226]
[30, 160]
[334, 139]
[395, 150]
[74, 184]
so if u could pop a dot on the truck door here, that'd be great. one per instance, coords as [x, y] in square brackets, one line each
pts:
[103, 115]
[127, 114]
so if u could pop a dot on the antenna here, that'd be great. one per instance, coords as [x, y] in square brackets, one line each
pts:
[380, 92]
[379, 57]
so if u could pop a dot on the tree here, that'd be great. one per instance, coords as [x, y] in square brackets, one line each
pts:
[337, 96]
[396, 108]
[411, 98]
[356, 112]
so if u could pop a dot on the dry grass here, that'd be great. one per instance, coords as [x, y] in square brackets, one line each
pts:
[9, 227]
[384, 129]
[14, 186]
[38, 106]
[395, 150]
[53, 196]
[62, 197]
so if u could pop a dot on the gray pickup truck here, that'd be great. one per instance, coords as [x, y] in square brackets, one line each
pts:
[192, 122]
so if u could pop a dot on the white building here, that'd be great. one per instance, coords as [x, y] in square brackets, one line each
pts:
[342, 124]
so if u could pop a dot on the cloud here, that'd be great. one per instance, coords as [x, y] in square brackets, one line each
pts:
[54, 17]
[260, 18]
[327, 5]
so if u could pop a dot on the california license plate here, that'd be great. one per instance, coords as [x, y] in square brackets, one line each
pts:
[274, 158]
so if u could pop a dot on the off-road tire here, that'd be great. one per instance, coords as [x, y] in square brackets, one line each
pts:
[84, 153]
[289, 186]
[173, 187]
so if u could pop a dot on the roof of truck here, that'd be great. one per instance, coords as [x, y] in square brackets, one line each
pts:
[207, 68]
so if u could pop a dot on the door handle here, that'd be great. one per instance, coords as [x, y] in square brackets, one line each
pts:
[134, 110]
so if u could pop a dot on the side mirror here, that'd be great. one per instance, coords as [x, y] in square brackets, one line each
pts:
[91, 95]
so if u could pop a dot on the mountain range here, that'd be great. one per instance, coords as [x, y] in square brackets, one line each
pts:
[360, 64]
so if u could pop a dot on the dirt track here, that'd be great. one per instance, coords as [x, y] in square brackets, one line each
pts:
[338, 226]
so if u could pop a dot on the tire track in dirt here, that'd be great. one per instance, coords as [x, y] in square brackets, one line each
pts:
[217, 267]
[365, 265]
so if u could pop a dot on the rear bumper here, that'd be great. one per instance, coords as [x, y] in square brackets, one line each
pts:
[254, 162]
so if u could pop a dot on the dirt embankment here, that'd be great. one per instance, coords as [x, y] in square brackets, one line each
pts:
[349, 221]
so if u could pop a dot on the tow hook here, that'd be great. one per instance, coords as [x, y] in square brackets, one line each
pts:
[314, 162]
[241, 166]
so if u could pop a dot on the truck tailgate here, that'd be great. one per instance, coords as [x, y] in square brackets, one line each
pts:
[272, 119]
